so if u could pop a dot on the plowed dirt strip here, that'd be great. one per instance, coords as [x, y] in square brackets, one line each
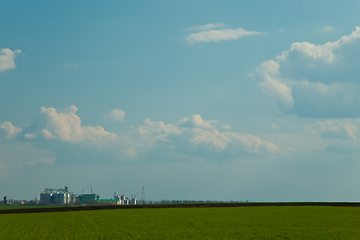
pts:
[194, 205]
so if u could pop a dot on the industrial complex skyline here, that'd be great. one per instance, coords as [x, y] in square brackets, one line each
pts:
[203, 100]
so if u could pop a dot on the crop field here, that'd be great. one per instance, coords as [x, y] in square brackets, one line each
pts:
[266, 222]
[7, 207]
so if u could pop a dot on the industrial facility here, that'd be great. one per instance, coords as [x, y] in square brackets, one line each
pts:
[59, 196]
[62, 196]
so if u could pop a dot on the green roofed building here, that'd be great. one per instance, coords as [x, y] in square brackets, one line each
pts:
[87, 199]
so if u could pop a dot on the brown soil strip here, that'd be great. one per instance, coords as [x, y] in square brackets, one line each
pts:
[193, 205]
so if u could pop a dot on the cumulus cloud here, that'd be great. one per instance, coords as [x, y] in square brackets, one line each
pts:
[235, 142]
[30, 135]
[62, 133]
[7, 58]
[279, 91]
[11, 130]
[206, 27]
[315, 80]
[65, 126]
[226, 127]
[216, 33]
[335, 129]
[191, 139]
[157, 127]
[116, 115]
[196, 122]
[270, 68]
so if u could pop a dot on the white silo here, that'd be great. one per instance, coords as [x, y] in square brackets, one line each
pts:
[48, 198]
[60, 197]
[43, 197]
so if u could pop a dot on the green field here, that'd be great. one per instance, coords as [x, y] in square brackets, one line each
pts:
[187, 223]
[7, 207]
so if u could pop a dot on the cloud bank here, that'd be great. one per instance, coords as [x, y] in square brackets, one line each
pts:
[189, 137]
[318, 81]
[346, 129]
[65, 126]
[216, 32]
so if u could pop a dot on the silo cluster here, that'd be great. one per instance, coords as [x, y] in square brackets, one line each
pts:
[55, 196]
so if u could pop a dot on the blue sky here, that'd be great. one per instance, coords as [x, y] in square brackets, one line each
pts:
[211, 100]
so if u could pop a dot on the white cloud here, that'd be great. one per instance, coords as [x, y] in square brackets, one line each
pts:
[279, 91]
[335, 129]
[235, 142]
[115, 115]
[270, 68]
[325, 29]
[61, 131]
[315, 80]
[7, 58]
[30, 135]
[46, 134]
[11, 130]
[65, 126]
[226, 127]
[192, 139]
[195, 122]
[212, 33]
[158, 127]
[323, 52]
[206, 27]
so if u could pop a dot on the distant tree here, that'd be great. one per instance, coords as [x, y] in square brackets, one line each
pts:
[5, 200]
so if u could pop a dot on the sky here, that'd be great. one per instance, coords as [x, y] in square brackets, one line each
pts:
[198, 100]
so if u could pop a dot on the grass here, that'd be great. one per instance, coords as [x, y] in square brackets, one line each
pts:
[8, 207]
[187, 223]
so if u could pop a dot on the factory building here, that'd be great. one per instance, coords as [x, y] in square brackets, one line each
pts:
[62, 196]
[87, 199]
[59, 196]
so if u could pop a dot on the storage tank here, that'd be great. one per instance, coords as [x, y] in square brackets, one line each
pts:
[68, 198]
[72, 198]
[42, 197]
[61, 198]
[48, 198]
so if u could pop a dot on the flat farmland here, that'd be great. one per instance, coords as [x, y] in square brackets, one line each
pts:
[265, 222]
